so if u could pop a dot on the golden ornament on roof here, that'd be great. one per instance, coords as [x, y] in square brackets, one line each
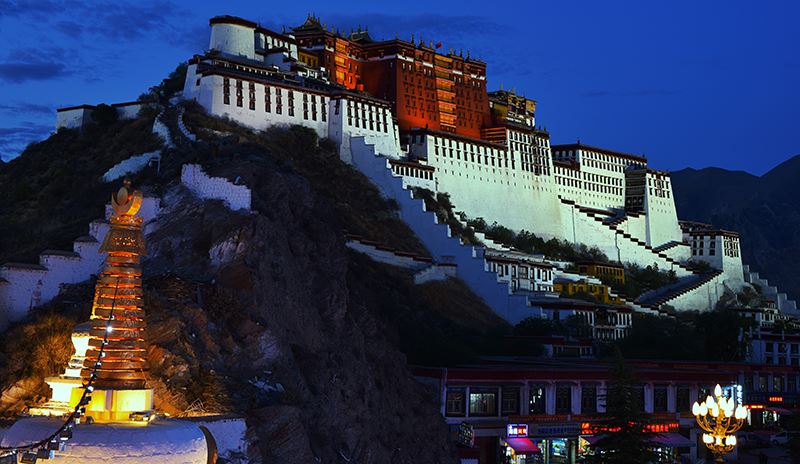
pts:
[125, 202]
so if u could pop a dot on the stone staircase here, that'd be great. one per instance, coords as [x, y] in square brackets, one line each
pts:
[663, 260]
[690, 288]
[182, 126]
[444, 245]
[666, 295]
[161, 128]
[667, 246]
[783, 303]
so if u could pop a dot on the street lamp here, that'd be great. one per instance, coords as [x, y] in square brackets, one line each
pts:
[720, 418]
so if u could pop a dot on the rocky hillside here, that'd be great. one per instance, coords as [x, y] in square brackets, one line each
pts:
[764, 210]
[269, 315]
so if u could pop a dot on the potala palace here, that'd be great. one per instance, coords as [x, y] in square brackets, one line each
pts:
[408, 116]
[424, 128]
[429, 118]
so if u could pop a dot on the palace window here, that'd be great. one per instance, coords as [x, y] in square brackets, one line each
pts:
[226, 91]
[252, 95]
[682, 398]
[510, 400]
[588, 399]
[536, 400]
[291, 103]
[239, 96]
[278, 101]
[267, 101]
[456, 401]
[660, 399]
[483, 401]
[777, 383]
[563, 399]
[323, 108]
[305, 106]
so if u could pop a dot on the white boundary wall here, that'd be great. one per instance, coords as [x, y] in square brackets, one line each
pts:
[25, 286]
[236, 197]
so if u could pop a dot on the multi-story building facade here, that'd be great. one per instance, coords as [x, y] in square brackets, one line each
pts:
[557, 404]
[521, 271]
[718, 248]
[445, 92]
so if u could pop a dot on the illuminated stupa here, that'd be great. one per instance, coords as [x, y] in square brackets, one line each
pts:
[101, 410]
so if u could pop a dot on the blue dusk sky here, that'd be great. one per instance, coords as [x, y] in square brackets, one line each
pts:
[686, 83]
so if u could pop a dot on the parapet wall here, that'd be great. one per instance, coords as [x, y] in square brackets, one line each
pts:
[24, 286]
[236, 197]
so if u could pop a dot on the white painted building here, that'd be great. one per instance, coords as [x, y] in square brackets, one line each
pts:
[511, 175]
[75, 117]
[718, 248]
[522, 272]
[253, 76]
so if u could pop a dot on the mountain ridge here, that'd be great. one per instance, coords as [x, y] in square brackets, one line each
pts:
[763, 209]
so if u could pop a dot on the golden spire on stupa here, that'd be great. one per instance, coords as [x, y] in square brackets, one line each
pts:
[117, 340]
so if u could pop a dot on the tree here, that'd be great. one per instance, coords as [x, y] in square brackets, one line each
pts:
[725, 334]
[104, 115]
[624, 435]
[168, 87]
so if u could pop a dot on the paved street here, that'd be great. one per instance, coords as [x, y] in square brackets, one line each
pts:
[775, 455]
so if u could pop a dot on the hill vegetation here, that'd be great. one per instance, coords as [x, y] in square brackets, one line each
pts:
[53, 189]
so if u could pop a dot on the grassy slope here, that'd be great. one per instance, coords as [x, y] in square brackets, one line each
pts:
[53, 190]
[357, 202]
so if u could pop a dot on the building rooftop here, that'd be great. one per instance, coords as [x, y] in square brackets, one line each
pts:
[605, 151]
[66, 254]
[27, 266]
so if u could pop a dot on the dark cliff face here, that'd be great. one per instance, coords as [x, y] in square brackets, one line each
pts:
[267, 328]
[764, 210]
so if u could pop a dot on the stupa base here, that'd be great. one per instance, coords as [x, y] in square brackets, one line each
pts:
[118, 405]
[163, 441]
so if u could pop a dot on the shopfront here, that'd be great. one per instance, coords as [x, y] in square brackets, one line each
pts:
[541, 443]
[668, 441]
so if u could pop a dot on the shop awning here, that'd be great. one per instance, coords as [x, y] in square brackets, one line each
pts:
[672, 440]
[523, 445]
[592, 439]
[777, 409]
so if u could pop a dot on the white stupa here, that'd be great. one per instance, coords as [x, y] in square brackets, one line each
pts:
[101, 410]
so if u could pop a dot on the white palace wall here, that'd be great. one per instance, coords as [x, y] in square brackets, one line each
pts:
[661, 215]
[438, 238]
[482, 183]
[374, 122]
[285, 105]
[265, 103]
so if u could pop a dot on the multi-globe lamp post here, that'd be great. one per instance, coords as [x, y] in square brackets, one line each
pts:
[720, 417]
